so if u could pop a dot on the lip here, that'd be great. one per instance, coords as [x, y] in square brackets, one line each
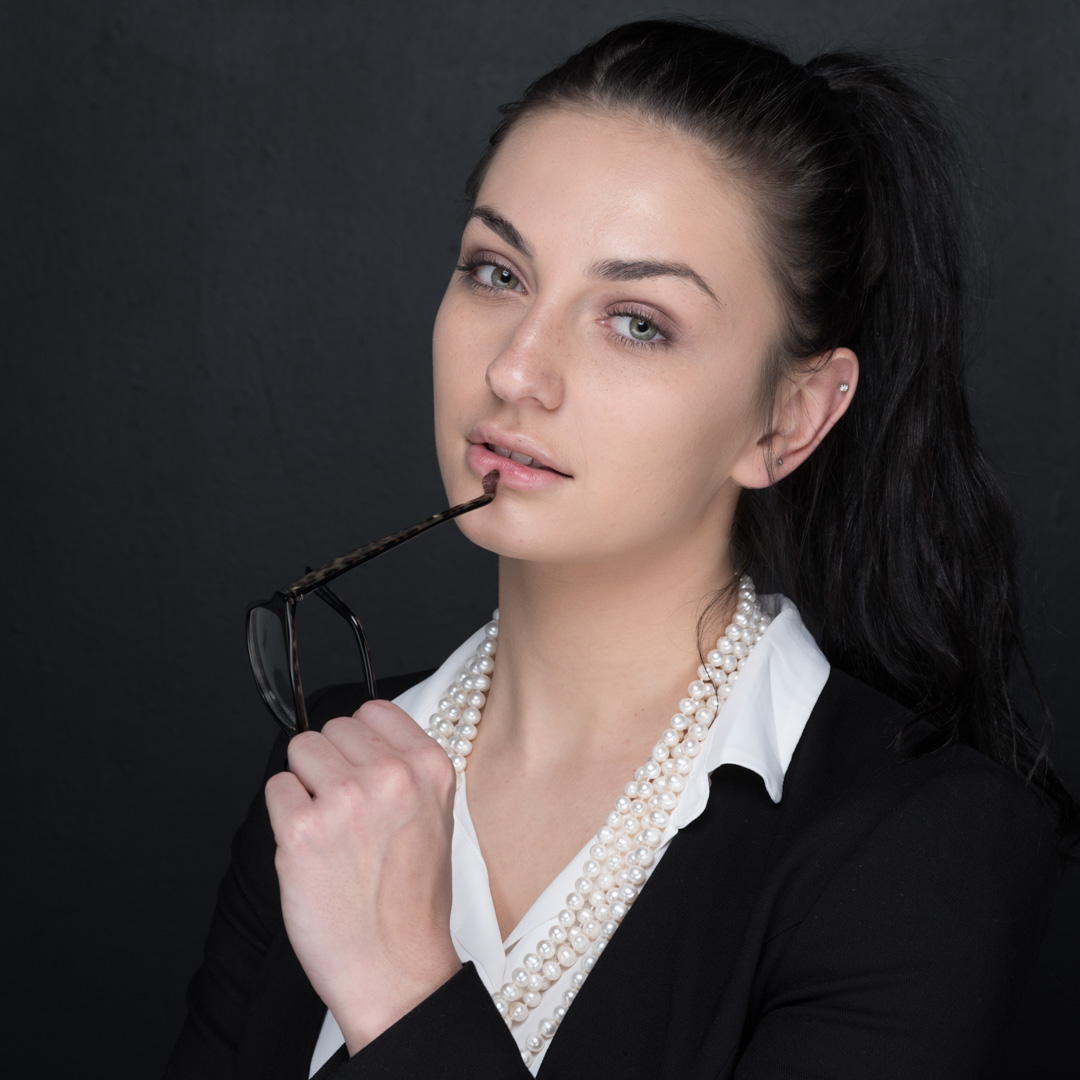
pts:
[512, 473]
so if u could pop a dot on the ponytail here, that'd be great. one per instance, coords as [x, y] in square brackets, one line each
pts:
[894, 537]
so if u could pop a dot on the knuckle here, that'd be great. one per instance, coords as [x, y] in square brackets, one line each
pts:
[336, 725]
[397, 780]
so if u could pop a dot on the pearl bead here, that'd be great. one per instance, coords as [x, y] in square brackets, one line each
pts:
[566, 955]
[476, 700]
[526, 1058]
[459, 763]
[556, 934]
[622, 804]
[613, 819]
[605, 834]
[691, 747]
[545, 949]
[518, 1011]
[568, 996]
[467, 730]
[531, 999]
[520, 976]
[660, 752]
[558, 1013]
[566, 918]
[704, 717]
[460, 697]
[687, 706]
[492, 629]
[715, 658]
[531, 962]
[645, 789]
[588, 963]
[604, 880]
[471, 716]
[487, 648]
[552, 969]
[583, 884]
[548, 1028]
[679, 722]
[510, 991]
[630, 791]
[534, 1042]
[618, 911]
[597, 851]
[676, 783]
[482, 682]
[501, 1007]
[698, 690]
[537, 983]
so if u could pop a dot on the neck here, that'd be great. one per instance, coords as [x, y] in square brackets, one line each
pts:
[593, 658]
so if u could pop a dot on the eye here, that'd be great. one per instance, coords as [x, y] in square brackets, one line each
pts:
[637, 327]
[495, 276]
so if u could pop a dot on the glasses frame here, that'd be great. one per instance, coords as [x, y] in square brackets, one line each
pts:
[282, 606]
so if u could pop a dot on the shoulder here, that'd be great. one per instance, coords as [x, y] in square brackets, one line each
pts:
[856, 787]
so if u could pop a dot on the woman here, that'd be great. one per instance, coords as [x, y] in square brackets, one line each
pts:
[706, 323]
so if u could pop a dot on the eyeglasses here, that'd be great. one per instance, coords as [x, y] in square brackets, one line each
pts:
[271, 624]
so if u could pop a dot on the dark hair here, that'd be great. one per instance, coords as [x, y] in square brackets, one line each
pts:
[894, 538]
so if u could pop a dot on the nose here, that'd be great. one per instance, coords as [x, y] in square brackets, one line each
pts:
[527, 367]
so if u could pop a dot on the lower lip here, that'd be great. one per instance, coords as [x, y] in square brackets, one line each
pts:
[512, 474]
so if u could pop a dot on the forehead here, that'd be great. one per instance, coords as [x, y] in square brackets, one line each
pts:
[607, 184]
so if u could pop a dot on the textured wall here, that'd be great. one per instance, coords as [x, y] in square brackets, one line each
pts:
[225, 229]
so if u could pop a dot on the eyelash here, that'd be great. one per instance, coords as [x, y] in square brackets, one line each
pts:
[467, 266]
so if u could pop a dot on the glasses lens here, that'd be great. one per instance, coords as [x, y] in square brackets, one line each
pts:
[268, 648]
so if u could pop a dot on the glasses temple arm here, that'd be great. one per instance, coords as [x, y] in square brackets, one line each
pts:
[325, 574]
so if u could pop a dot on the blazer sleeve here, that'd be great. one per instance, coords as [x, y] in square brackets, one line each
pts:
[910, 960]
[246, 920]
[250, 988]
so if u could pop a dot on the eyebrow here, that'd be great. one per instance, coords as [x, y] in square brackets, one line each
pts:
[609, 269]
[499, 225]
[639, 269]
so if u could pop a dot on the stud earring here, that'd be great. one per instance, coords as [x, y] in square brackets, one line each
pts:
[779, 461]
[843, 388]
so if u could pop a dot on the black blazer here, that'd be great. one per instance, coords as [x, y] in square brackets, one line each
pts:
[879, 921]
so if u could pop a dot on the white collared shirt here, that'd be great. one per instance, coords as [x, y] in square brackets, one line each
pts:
[758, 728]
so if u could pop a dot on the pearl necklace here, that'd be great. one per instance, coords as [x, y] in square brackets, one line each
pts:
[623, 849]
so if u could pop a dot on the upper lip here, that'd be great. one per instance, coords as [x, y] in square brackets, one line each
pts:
[521, 444]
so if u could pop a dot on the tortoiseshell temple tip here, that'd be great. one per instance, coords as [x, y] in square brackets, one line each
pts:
[490, 481]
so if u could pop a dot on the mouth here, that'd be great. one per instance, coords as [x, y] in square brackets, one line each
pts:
[521, 459]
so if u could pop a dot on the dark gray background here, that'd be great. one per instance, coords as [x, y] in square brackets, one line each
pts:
[225, 230]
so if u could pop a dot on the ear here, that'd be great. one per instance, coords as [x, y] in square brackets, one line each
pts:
[809, 402]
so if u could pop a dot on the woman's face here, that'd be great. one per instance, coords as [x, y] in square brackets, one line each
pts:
[609, 319]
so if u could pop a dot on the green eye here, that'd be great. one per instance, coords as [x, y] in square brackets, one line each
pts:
[641, 329]
[501, 278]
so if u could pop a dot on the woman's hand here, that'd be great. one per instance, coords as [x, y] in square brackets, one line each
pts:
[363, 825]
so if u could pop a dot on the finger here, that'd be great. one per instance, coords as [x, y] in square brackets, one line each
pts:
[358, 742]
[315, 761]
[393, 724]
[286, 797]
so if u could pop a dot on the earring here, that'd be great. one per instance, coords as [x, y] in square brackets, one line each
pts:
[779, 461]
[843, 388]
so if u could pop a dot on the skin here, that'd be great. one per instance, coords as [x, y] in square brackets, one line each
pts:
[604, 567]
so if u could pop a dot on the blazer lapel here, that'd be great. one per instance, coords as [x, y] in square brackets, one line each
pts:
[663, 973]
